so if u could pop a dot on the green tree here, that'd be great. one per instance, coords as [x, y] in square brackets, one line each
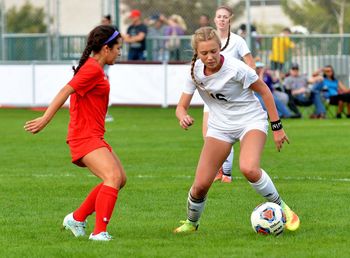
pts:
[320, 16]
[189, 10]
[27, 19]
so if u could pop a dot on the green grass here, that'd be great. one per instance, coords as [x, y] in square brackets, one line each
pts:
[39, 186]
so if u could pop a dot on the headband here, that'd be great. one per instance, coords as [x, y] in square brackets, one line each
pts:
[116, 33]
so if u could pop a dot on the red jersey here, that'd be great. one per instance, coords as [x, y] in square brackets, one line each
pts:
[89, 102]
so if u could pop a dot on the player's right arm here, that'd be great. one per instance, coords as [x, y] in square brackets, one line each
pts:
[185, 120]
[36, 125]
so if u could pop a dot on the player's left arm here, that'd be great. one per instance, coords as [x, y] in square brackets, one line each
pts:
[263, 90]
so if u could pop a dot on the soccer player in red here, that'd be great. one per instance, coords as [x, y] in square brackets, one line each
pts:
[89, 94]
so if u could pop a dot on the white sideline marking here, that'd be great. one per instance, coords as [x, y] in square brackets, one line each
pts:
[287, 178]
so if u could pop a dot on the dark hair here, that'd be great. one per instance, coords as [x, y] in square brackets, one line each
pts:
[287, 30]
[96, 40]
[108, 17]
[333, 74]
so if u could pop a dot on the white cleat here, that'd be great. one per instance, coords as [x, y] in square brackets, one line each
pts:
[77, 227]
[102, 236]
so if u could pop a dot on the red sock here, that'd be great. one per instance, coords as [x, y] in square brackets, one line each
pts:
[105, 201]
[88, 206]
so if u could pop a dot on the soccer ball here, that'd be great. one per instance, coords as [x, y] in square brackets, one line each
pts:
[268, 219]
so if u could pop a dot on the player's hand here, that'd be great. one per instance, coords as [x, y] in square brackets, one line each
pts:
[186, 121]
[36, 125]
[280, 138]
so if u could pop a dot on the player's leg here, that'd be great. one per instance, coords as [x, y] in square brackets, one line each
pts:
[227, 168]
[212, 156]
[104, 164]
[252, 145]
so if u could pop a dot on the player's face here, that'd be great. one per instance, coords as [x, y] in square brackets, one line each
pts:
[222, 19]
[209, 53]
[114, 53]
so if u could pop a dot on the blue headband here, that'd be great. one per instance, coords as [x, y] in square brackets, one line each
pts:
[116, 33]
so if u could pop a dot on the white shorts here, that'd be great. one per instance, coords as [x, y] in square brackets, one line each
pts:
[237, 133]
[205, 108]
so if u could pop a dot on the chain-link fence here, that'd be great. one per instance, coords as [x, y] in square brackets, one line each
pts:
[51, 30]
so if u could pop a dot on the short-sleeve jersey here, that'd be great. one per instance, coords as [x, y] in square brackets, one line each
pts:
[88, 104]
[237, 47]
[230, 100]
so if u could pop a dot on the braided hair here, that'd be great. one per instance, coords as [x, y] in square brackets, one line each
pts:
[96, 40]
[229, 10]
[202, 34]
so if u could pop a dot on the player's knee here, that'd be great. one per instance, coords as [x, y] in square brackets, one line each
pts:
[115, 177]
[249, 171]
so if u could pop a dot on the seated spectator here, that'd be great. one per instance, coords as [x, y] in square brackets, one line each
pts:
[282, 109]
[331, 89]
[297, 87]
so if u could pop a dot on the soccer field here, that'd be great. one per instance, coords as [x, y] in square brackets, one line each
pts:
[39, 186]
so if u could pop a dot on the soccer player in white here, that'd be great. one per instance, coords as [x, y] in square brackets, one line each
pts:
[226, 86]
[233, 46]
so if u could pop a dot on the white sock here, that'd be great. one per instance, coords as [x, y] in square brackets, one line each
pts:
[195, 208]
[227, 166]
[265, 187]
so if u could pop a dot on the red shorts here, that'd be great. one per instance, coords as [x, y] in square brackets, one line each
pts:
[80, 147]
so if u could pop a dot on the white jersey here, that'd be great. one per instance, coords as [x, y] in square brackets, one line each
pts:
[237, 47]
[230, 100]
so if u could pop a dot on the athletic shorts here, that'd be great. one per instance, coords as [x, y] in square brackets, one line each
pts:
[237, 134]
[80, 147]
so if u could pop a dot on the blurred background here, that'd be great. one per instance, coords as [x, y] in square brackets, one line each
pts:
[56, 30]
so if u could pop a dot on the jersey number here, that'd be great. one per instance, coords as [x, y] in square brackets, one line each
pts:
[218, 96]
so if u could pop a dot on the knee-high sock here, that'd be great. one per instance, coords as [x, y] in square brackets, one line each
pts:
[265, 187]
[195, 208]
[88, 206]
[227, 166]
[105, 201]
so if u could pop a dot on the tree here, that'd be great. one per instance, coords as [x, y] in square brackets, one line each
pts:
[189, 10]
[321, 16]
[27, 19]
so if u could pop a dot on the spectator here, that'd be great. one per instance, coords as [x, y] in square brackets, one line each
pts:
[156, 29]
[300, 94]
[280, 50]
[256, 41]
[204, 20]
[331, 89]
[176, 27]
[106, 20]
[264, 75]
[136, 36]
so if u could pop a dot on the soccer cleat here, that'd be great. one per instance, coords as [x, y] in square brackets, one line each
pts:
[187, 226]
[218, 175]
[292, 219]
[102, 236]
[226, 179]
[77, 227]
